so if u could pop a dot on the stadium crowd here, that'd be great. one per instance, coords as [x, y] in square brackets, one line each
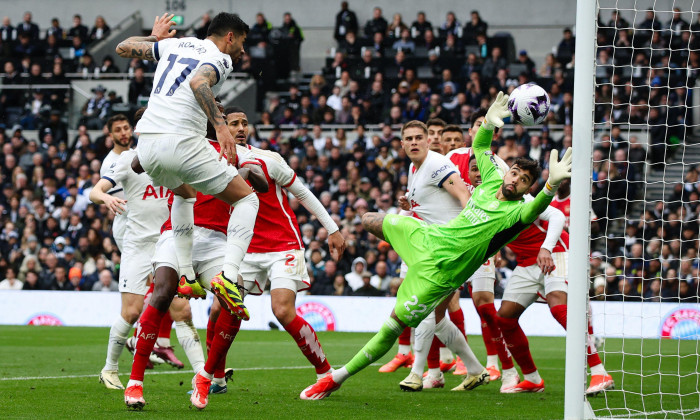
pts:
[381, 74]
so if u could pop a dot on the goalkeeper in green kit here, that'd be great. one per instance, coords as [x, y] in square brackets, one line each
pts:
[441, 257]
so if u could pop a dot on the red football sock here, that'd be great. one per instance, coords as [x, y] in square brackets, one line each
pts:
[166, 326]
[147, 334]
[211, 325]
[405, 337]
[306, 339]
[225, 330]
[146, 298]
[592, 352]
[489, 328]
[457, 317]
[517, 343]
[559, 313]
[434, 354]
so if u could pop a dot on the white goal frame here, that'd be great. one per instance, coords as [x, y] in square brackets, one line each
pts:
[575, 404]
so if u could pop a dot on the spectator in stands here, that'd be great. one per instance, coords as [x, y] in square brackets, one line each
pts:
[566, 110]
[396, 27]
[350, 45]
[259, 34]
[474, 27]
[96, 109]
[525, 60]
[8, 33]
[292, 32]
[367, 289]
[106, 282]
[28, 27]
[201, 31]
[345, 21]
[55, 30]
[451, 26]
[100, 31]
[108, 65]
[493, 63]
[86, 64]
[419, 26]
[677, 24]
[376, 25]
[11, 282]
[566, 47]
[405, 43]
[78, 48]
[26, 48]
[138, 86]
[78, 29]
[378, 44]
[549, 66]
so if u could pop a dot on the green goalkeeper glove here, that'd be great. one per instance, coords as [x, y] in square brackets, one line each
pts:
[497, 112]
[558, 170]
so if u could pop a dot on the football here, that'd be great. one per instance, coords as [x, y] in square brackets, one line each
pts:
[529, 104]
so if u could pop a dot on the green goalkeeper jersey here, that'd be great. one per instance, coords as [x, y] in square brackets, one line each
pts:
[485, 225]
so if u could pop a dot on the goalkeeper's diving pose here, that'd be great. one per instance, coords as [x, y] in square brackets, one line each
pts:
[441, 257]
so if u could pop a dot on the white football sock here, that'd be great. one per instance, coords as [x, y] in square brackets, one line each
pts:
[321, 375]
[598, 370]
[182, 220]
[133, 382]
[117, 339]
[453, 338]
[492, 360]
[446, 355]
[424, 333]
[239, 234]
[163, 342]
[404, 349]
[533, 377]
[219, 381]
[188, 337]
[206, 374]
[340, 375]
[434, 372]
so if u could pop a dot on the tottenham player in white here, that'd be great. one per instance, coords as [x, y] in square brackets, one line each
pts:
[148, 210]
[122, 137]
[174, 152]
[436, 194]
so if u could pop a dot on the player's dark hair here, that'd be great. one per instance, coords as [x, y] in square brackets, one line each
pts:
[224, 23]
[472, 156]
[414, 124]
[435, 121]
[115, 118]
[529, 165]
[138, 114]
[234, 110]
[452, 128]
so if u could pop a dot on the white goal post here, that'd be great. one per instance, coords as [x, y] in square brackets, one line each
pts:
[637, 64]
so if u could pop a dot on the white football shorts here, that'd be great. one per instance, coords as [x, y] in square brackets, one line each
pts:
[527, 284]
[284, 270]
[171, 161]
[484, 279]
[208, 247]
[136, 266]
[118, 231]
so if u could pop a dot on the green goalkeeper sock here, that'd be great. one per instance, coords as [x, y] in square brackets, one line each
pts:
[377, 347]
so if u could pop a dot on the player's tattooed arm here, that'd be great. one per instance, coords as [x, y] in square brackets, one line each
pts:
[201, 85]
[372, 222]
[142, 46]
[137, 47]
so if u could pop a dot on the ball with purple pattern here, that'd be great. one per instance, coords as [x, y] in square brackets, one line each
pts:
[529, 104]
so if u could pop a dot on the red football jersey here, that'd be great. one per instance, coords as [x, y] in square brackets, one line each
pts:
[460, 157]
[527, 245]
[565, 206]
[276, 228]
[210, 212]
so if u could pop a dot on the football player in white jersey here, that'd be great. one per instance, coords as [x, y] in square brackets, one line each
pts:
[436, 194]
[122, 136]
[148, 210]
[175, 154]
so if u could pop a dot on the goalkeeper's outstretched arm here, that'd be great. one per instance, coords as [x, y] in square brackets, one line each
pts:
[558, 171]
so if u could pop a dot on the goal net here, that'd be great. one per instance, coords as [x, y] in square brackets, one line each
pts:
[645, 197]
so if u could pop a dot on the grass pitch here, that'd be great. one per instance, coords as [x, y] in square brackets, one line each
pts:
[52, 372]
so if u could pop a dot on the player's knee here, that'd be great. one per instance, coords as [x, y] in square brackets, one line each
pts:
[131, 314]
[284, 313]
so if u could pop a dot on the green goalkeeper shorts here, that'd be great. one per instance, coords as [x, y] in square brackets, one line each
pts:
[424, 286]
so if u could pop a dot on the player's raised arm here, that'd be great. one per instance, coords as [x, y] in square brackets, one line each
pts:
[98, 195]
[142, 46]
[558, 171]
[481, 146]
